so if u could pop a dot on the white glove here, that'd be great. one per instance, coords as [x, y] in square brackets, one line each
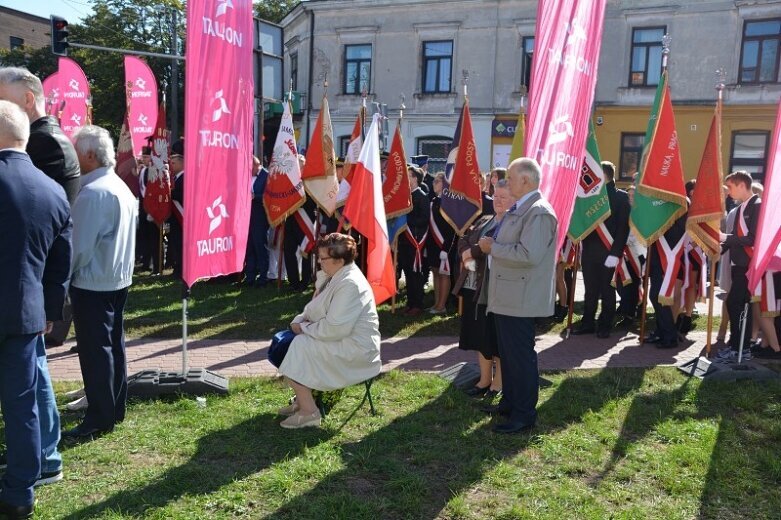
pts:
[611, 261]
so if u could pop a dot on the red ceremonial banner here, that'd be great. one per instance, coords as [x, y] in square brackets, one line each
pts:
[74, 90]
[218, 137]
[396, 189]
[564, 75]
[141, 88]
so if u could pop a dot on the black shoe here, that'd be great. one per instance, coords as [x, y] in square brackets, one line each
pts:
[3, 460]
[544, 383]
[581, 330]
[494, 409]
[51, 342]
[667, 345]
[74, 349]
[84, 433]
[626, 322]
[490, 394]
[653, 338]
[685, 325]
[560, 312]
[48, 477]
[513, 427]
[603, 334]
[766, 353]
[11, 512]
[477, 391]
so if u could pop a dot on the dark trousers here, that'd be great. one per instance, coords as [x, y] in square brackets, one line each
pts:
[256, 264]
[175, 241]
[665, 326]
[99, 321]
[630, 295]
[18, 381]
[149, 242]
[520, 378]
[596, 279]
[737, 298]
[293, 238]
[414, 280]
[61, 328]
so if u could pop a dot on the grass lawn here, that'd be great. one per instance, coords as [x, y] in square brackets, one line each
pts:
[218, 310]
[616, 443]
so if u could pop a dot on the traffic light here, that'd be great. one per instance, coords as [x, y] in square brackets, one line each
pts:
[59, 30]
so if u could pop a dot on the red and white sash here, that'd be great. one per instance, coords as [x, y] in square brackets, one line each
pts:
[693, 259]
[741, 228]
[621, 275]
[308, 227]
[439, 239]
[765, 293]
[418, 245]
[671, 258]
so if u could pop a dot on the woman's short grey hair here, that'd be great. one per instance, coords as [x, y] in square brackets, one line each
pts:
[528, 167]
[14, 124]
[97, 140]
[25, 79]
[502, 183]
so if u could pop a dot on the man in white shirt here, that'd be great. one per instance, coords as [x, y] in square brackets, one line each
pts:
[104, 232]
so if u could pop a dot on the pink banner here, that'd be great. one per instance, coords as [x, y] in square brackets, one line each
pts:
[218, 137]
[564, 75]
[767, 244]
[74, 89]
[141, 88]
[53, 94]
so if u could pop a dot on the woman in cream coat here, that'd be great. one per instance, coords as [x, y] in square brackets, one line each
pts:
[337, 341]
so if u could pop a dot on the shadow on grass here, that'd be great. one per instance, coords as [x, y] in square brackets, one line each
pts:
[222, 457]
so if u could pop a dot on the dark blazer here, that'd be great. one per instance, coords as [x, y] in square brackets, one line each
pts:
[35, 259]
[736, 244]
[52, 152]
[479, 229]
[617, 223]
[417, 219]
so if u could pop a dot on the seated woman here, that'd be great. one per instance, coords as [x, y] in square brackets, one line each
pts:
[337, 341]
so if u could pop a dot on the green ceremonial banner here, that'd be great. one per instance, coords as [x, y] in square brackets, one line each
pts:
[654, 209]
[591, 204]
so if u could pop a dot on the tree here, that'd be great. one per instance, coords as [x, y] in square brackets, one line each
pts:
[40, 62]
[274, 10]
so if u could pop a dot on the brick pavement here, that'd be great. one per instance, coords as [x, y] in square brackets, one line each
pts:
[248, 358]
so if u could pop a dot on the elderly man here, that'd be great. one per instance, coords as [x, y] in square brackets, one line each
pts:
[51, 152]
[521, 287]
[34, 266]
[104, 233]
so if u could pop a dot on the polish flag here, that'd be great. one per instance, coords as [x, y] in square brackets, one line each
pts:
[350, 160]
[366, 210]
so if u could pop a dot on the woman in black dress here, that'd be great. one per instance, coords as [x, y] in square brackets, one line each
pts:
[440, 249]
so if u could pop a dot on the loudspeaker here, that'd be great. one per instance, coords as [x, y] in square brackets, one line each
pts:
[197, 381]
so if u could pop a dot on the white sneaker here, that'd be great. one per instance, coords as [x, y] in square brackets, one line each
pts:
[74, 394]
[78, 404]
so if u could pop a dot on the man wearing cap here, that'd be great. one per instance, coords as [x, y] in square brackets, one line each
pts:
[148, 232]
[175, 222]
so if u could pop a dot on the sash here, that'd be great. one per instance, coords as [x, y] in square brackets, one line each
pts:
[765, 293]
[308, 227]
[741, 228]
[694, 259]
[417, 264]
[671, 264]
[439, 240]
[621, 275]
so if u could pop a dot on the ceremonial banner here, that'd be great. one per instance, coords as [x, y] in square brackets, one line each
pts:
[592, 205]
[660, 197]
[319, 173]
[284, 189]
[350, 160]
[157, 198]
[126, 161]
[462, 198]
[395, 189]
[564, 74]
[219, 107]
[366, 212]
[767, 241]
[74, 89]
[53, 95]
[707, 205]
[141, 89]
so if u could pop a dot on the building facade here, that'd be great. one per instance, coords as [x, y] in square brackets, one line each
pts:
[19, 29]
[422, 52]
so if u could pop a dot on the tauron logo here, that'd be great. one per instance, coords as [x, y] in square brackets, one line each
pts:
[76, 118]
[559, 130]
[217, 211]
[74, 84]
[141, 84]
[143, 119]
[221, 109]
[223, 6]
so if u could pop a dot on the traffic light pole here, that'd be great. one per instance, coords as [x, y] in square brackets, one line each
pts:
[125, 51]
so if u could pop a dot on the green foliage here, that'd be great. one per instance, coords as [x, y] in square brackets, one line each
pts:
[274, 10]
[40, 62]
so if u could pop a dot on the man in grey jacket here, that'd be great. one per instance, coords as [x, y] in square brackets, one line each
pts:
[521, 287]
[104, 240]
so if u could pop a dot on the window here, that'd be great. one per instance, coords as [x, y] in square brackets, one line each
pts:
[760, 54]
[749, 153]
[526, 65]
[294, 71]
[437, 65]
[646, 68]
[344, 143]
[437, 148]
[16, 42]
[631, 152]
[357, 68]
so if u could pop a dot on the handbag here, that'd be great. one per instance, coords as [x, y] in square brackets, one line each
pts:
[279, 345]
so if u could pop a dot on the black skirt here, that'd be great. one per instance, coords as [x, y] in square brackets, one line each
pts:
[478, 331]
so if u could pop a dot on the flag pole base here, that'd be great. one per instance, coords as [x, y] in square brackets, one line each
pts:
[150, 384]
[707, 370]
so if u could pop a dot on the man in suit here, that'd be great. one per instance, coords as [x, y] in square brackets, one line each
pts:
[410, 255]
[34, 268]
[603, 248]
[51, 152]
[175, 222]
[521, 280]
[256, 265]
[104, 236]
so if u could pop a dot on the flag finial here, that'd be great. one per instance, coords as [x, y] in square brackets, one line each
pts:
[721, 79]
[465, 81]
[666, 40]
[402, 106]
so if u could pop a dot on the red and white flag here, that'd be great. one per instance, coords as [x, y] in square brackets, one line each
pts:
[157, 198]
[74, 90]
[767, 241]
[366, 211]
[219, 100]
[319, 173]
[566, 53]
[141, 89]
[284, 189]
[351, 160]
[126, 161]
[53, 94]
